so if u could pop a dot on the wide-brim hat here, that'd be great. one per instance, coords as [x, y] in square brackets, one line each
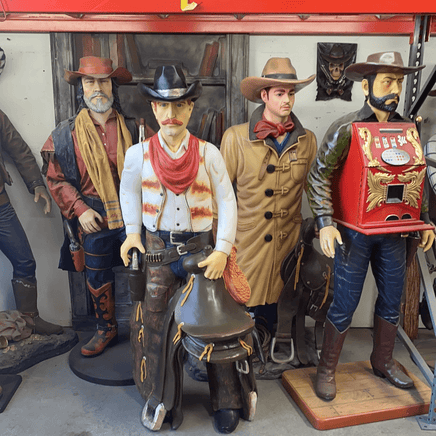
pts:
[277, 71]
[99, 68]
[383, 62]
[170, 85]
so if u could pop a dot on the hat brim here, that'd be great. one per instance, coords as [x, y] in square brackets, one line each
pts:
[192, 93]
[357, 72]
[121, 74]
[251, 87]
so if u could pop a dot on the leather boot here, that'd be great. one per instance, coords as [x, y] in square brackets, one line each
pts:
[107, 328]
[382, 362]
[325, 385]
[26, 300]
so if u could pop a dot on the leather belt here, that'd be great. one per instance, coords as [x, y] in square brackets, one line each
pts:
[173, 254]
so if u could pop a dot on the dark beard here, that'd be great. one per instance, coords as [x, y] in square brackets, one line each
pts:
[380, 102]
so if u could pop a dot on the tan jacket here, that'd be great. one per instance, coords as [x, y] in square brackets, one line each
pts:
[269, 192]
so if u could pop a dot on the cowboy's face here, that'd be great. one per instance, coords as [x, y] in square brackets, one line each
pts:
[384, 93]
[279, 101]
[97, 93]
[172, 117]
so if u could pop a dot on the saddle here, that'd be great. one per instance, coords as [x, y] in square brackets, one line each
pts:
[308, 291]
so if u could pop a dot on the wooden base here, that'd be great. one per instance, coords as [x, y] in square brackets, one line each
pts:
[361, 397]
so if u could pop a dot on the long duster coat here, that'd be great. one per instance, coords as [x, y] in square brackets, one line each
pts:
[269, 188]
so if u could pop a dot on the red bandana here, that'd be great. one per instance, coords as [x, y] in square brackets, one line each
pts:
[175, 174]
[266, 128]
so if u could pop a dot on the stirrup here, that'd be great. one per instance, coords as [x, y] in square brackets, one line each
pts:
[275, 340]
[153, 421]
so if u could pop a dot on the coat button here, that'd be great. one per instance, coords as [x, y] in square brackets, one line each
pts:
[269, 192]
[268, 238]
[268, 215]
[270, 168]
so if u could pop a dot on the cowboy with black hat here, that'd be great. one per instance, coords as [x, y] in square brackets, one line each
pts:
[173, 184]
[84, 158]
[382, 77]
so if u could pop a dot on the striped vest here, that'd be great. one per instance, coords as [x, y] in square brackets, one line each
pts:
[198, 196]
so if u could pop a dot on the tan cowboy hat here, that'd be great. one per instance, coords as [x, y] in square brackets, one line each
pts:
[383, 62]
[99, 68]
[277, 71]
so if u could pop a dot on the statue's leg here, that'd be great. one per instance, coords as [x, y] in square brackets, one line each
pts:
[15, 246]
[389, 268]
[225, 395]
[150, 324]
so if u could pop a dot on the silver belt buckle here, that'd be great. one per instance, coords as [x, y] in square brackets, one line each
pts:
[172, 240]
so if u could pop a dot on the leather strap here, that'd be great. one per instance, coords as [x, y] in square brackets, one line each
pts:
[173, 254]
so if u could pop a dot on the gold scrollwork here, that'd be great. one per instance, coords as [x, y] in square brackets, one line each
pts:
[413, 186]
[412, 136]
[377, 188]
[365, 134]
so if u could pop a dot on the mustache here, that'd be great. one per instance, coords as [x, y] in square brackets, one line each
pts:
[172, 121]
[98, 94]
[391, 97]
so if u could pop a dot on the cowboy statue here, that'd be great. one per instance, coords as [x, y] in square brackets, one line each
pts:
[84, 158]
[173, 184]
[268, 159]
[382, 77]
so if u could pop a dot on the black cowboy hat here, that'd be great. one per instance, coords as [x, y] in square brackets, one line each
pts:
[170, 85]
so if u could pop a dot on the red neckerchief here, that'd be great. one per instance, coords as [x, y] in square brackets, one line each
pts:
[264, 128]
[175, 174]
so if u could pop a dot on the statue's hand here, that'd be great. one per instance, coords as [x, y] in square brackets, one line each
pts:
[133, 240]
[215, 263]
[88, 221]
[327, 237]
[427, 238]
[41, 192]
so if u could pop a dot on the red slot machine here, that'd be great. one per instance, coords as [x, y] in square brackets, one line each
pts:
[379, 188]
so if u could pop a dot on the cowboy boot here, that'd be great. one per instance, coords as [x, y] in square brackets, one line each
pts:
[107, 328]
[382, 362]
[25, 294]
[325, 385]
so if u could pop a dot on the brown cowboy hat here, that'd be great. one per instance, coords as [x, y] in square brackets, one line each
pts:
[383, 62]
[99, 68]
[277, 71]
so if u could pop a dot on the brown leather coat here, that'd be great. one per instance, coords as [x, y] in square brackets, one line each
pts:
[269, 191]
[12, 144]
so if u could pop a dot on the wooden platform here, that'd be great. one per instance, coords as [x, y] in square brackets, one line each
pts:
[361, 397]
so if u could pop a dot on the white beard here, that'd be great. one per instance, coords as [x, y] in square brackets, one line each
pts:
[99, 107]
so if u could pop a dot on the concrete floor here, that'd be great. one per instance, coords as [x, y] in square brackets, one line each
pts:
[52, 401]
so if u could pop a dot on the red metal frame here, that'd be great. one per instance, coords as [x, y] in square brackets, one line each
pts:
[189, 23]
[219, 6]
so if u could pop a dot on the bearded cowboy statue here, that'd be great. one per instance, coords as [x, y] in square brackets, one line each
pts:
[84, 157]
[382, 77]
[173, 184]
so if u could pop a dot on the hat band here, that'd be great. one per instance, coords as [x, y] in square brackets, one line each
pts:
[281, 76]
[176, 92]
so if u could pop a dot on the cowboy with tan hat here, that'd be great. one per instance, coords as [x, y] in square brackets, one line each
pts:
[382, 77]
[268, 159]
[84, 158]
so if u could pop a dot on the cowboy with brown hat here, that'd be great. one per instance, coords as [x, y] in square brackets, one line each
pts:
[84, 158]
[268, 159]
[173, 184]
[382, 77]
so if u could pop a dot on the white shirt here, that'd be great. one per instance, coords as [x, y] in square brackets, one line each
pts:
[175, 213]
